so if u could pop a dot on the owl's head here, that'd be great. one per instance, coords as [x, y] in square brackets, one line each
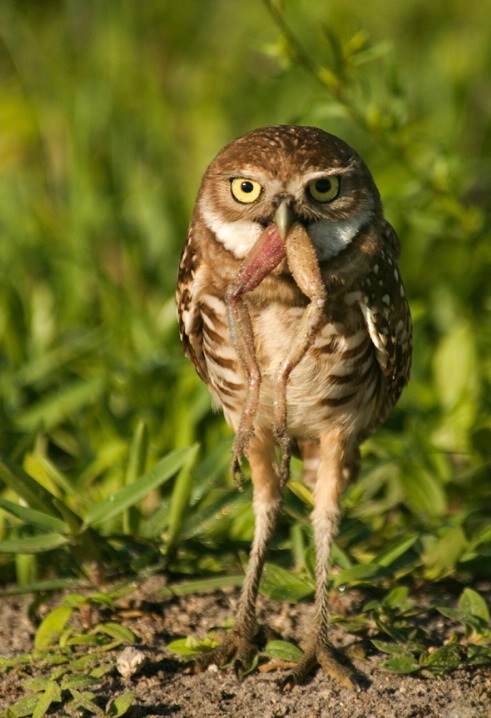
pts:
[284, 174]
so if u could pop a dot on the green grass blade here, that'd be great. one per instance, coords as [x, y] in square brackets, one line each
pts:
[361, 573]
[444, 659]
[78, 681]
[471, 603]
[26, 568]
[33, 544]
[130, 495]
[395, 550]
[136, 467]
[138, 453]
[38, 497]
[51, 627]
[31, 516]
[84, 700]
[282, 585]
[51, 362]
[203, 585]
[180, 499]
[210, 470]
[51, 411]
[301, 491]
[401, 664]
[23, 707]
[35, 495]
[38, 465]
[203, 520]
[122, 633]
[120, 705]
[53, 584]
[283, 651]
[52, 694]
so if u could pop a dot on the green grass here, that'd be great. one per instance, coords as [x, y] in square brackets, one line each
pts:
[109, 114]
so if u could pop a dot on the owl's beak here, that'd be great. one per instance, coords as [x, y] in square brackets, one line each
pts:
[284, 218]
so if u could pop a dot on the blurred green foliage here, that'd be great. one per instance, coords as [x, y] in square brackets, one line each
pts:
[109, 114]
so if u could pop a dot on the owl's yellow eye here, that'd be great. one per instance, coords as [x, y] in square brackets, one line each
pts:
[245, 190]
[324, 189]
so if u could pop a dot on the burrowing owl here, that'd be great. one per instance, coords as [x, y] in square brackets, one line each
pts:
[292, 310]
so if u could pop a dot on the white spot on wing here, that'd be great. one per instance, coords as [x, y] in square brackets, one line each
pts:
[352, 297]
[375, 336]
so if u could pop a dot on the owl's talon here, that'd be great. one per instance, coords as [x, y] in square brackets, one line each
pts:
[283, 441]
[219, 656]
[238, 670]
[323, 656]
[239, 450]
[285, 467]
[243, 664]
[243, 646]
[358, 682]
[237, 474]
[287, 684]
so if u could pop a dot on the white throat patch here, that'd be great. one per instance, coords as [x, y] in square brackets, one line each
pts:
[330, 238]
[238, 237]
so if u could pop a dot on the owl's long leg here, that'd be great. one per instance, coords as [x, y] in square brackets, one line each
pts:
[247, 636]
[267, 505]
[335, 469]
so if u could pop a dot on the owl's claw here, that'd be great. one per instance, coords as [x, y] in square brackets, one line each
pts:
[318, 654]
[281, 431]
[285, 468]
[239, 450]
[244, 647]
[237, 473]
[217, 657]
[284, 443]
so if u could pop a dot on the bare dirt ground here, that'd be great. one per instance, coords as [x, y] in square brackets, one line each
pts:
[162, 688]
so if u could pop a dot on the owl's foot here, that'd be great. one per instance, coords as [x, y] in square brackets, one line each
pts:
[237, 473]
[325, 656]
[241, 444]
[286, 452]
[243, 647]
[284, 443]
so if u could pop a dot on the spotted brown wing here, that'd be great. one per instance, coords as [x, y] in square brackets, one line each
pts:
[188, 308]
[387, 317]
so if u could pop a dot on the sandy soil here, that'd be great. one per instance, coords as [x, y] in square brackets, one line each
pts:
[163, 689]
